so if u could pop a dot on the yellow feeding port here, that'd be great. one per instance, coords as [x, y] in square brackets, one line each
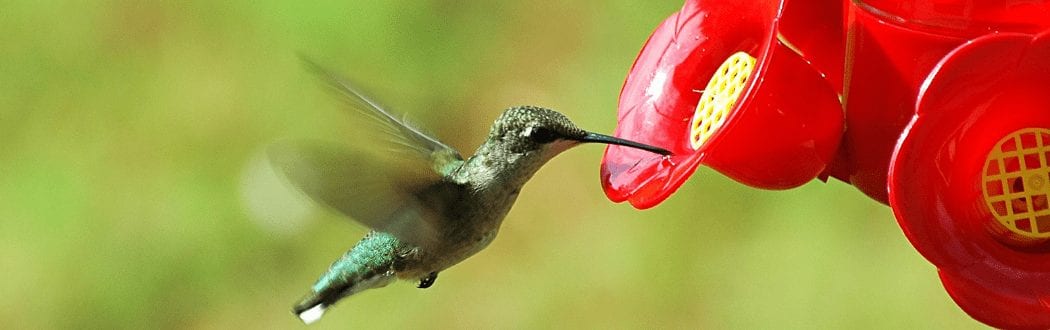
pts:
[1016, 183]
[718, 98]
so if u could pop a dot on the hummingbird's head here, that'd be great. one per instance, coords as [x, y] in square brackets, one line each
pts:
[535, 130]
[526, 137]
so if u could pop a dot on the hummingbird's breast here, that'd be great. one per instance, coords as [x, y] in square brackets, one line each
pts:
[473, 226]
[490, 180]
[474, 217]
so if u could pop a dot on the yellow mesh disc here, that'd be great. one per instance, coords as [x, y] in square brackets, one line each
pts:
[1017, 182]
[719, 97]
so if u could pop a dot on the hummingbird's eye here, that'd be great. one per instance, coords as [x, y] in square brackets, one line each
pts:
[541, 135]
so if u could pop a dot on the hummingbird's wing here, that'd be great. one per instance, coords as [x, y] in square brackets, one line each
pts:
[405, 137]
[400, 189]
[403, 198]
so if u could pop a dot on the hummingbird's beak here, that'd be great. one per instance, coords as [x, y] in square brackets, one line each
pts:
[602, 138]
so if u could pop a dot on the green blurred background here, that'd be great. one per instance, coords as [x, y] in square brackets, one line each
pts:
[134, 193]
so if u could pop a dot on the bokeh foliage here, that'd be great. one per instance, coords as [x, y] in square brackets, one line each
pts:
[133, 193]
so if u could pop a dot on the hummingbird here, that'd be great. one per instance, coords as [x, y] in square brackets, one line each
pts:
[427, 206]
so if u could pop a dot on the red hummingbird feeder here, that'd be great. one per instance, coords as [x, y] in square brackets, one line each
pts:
[944, 114]
[969, 179]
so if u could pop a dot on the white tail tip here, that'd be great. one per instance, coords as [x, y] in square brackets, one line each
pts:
[313, 314]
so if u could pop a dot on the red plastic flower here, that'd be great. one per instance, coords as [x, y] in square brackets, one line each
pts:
[970, 178]
[715, 85]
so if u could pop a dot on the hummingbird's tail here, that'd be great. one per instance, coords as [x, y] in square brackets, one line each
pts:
[310, 312]
[368, 265]
[313, 306]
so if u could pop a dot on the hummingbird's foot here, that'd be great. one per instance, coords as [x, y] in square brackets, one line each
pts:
[426, 282]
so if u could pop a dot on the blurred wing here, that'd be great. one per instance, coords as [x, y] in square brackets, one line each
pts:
[403, 198]
[402, 134]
